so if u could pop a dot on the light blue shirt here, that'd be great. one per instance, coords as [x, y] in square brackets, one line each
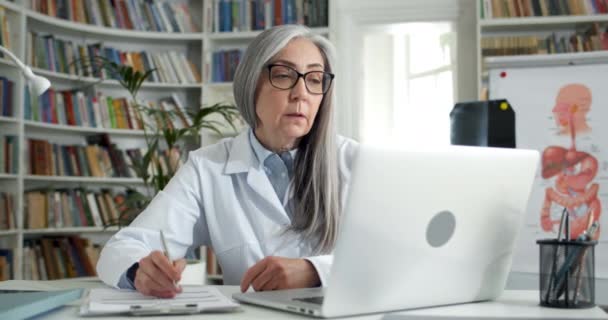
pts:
[279, 170]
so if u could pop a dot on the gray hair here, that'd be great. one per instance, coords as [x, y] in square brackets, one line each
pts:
[316, 198]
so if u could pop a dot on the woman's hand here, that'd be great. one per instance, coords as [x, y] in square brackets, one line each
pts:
[272, 273]
[156, 276]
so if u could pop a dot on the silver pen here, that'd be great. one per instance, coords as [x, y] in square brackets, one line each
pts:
[166, 251]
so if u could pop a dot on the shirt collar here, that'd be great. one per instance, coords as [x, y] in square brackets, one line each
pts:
[260, 151]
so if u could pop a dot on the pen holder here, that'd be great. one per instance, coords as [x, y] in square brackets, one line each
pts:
[567, 273]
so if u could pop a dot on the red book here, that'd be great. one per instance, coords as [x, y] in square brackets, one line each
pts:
[278, 12]
[125, 14]
[601, 6]
[69, 108]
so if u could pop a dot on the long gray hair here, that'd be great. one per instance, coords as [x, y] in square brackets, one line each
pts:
[316, 198]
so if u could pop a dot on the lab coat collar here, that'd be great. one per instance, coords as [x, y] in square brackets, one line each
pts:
[241, 157]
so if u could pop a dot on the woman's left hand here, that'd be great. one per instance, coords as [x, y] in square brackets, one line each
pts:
[273, 273]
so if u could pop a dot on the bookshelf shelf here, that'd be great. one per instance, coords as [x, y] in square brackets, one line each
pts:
[8, 176]
[58, 127]
[76, 28]
[248, 35]
[547, 59]
[214, 277]
[113, 83]
[4, 119]
[525, 23]
[8, 232]
[7, 62]
[10, 5]
[83, 179]
[219, 86]
[70, 230]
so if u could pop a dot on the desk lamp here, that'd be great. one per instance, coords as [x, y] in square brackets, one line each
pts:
[38, 84]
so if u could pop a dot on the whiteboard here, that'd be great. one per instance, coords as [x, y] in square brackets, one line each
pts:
[563, 113]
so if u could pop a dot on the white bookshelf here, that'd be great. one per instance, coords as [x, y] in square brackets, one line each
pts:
[83, 179]
[543, 60]
[110, 82]
[197, 47]
[21, 20]
[8, 120]
[88, 30]
[528, 23]
[540, 26]
[8, 232]
[70, 230]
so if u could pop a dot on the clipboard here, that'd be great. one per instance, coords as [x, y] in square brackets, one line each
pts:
[192, 300]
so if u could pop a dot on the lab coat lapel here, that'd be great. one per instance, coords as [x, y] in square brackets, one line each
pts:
[242, 159]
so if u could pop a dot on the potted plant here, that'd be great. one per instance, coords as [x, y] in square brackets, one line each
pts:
[161, 139]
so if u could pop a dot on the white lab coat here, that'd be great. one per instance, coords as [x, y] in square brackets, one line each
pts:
[221, 197]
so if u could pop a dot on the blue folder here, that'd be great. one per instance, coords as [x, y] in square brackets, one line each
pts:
[22, 305]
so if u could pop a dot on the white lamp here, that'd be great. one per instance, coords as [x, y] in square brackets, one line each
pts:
[39, 84]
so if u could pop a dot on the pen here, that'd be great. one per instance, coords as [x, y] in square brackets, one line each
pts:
[166, 251]
[556, 254]
[561, 280]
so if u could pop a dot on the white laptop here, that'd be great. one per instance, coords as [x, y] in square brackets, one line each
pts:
[421, 228]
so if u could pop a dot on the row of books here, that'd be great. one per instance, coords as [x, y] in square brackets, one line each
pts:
[66, 56]
[541, 8]
[143, 15]
[93, 160]
[77, 108]
[8, 219]
[5, 31]
[97, 159]
[6, 97]
[247, 15]
[64, 208]
[52, 258]
[6, 264]
[224, 64]
[523, 45]
[9, 154]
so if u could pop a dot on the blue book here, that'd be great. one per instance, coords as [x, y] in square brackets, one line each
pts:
[22, 305]
[27, 104]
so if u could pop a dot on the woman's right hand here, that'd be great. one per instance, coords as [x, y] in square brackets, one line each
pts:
[156, 276]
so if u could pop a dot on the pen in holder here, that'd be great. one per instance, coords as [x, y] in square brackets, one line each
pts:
[567, 273]
[567, 267]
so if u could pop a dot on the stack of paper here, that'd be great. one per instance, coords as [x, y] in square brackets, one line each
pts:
[193, 299]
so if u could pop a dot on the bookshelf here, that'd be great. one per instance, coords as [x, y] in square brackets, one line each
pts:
[197, 47]
[539, 33]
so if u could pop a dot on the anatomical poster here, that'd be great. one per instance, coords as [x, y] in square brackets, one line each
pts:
[563, 113]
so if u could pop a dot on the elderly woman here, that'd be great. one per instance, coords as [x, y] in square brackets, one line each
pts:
[267, 201]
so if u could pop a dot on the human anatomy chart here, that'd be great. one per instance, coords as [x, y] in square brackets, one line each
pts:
[575, 171]
[563, 113]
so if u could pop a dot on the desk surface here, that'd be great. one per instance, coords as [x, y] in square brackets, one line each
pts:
[513, 304]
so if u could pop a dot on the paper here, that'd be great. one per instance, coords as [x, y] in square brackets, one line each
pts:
[193, 299]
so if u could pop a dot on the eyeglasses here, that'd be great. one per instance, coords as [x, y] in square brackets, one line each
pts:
[284, 78]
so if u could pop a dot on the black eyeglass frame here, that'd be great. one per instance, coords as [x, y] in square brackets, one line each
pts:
[300, 75]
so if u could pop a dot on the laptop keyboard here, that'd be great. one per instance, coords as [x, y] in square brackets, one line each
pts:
[315, 300]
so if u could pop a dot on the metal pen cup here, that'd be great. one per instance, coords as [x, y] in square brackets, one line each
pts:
[567, 273]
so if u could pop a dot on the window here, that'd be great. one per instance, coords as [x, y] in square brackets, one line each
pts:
[408, 79]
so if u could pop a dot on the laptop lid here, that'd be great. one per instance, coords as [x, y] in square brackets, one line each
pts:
[428, 227]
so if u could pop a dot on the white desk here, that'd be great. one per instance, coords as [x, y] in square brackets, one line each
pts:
[513, 304]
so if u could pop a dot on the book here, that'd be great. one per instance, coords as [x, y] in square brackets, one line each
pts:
[21, 305]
